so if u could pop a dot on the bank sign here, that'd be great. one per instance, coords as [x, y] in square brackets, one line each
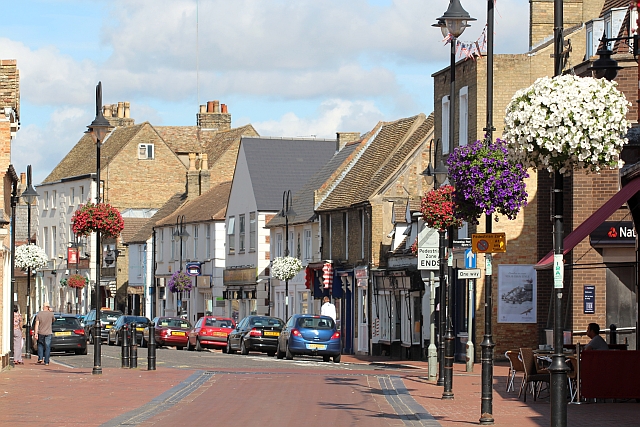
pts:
[614, 233]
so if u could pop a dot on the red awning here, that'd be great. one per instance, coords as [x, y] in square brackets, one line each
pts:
[591, 223]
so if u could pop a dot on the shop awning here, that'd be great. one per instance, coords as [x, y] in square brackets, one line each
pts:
[591, 223]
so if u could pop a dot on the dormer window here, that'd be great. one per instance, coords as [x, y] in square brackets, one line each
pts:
[145, 151]
[594, 31]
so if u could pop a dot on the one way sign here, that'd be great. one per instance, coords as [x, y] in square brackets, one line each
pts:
[469, 259]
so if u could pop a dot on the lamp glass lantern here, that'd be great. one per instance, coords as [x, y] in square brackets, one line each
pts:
[455, 19]
[29, 195]
[605, 66]
[99, 128]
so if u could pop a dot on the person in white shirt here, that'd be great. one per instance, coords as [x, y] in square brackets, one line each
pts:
[328, 309]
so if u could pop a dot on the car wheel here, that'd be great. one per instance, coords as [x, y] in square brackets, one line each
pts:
[288, 353]
[229, 349]
[198, 346]
[82, 352]
[336, 358]
[109, 340]
[270, 353]
[189, 346]
[326, 358]
[279, 354]
[243, 348]
[224, 349]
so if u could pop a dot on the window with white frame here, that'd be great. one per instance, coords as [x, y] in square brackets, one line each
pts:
[241, 232]
[308, 256]
[47, 249]
[231, 234]
[278, 248]
[161, 245]
[195, 242]
[72, 196]
[145, 152]
[54, 199]
[253, 227]
[81, 194]
[173, 247]
[445, 125]
[141, 261]
[207, 232]
[463, 126]
[54, 241]
[46, 200]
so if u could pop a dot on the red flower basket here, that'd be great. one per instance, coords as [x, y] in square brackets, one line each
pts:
[100, 217]
[438, 208]
[76, 281]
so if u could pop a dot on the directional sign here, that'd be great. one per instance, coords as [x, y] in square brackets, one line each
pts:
[462, 243]
[489, 242]
[469, 259]
[469, 274]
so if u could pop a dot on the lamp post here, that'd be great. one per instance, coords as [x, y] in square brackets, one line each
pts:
[14, 202]
[455, 19]
[181, 233]
[439, 176]
[29, 195]
[98, 130]
[486, 402]
[286, 211]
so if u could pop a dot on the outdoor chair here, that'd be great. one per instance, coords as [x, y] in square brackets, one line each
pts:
[532, 378]
[572, 378]
[515, 367]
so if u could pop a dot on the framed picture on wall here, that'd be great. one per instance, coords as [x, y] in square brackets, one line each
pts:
[517, 292]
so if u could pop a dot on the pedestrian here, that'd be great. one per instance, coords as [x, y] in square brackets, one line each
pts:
[328, 309]
[597, 342]
[17, 335]
[42, 333]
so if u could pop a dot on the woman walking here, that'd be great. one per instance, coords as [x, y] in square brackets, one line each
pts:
[17, 336]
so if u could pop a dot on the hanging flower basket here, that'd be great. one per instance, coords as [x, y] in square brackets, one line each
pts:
[285, 268]
[76, 281]
[100, 217]
[438, 209]
[30, 256]
[180, 282]
[567, 122]
[486, 180]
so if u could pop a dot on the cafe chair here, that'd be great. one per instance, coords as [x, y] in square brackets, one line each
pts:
[515, 367]
[572, 377]
[532, 378]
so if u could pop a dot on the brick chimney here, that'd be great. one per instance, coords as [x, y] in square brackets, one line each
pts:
[205, 174]
[118, 114]
[193, 178]
[214, 116]
[343, 138]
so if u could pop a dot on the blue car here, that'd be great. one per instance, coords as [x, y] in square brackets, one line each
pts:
[308, 334]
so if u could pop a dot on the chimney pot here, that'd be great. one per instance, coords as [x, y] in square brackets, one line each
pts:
[224, 108]
[23, 178]
[127, 109]
[216, 106]
[121, 110]
[210, 106]
[203, 109]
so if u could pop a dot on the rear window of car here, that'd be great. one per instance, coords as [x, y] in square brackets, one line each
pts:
[66, 322]
[265, 321]
[137, 319]
[315, 323]
[174, 323]
[218, 323]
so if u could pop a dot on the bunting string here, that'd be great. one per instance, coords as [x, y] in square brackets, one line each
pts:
[469, 50]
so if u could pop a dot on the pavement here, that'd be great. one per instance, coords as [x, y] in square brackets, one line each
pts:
[45, 396]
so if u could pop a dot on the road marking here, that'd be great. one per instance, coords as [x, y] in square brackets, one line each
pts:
[411, 412]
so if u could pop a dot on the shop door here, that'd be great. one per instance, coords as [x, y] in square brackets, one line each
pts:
[363, 329]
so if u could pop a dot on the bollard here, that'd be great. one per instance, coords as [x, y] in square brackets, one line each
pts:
[151, 348]
[124, 341]
[133, 348]
[613, 334]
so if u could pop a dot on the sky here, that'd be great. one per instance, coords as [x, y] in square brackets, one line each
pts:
[296, 68]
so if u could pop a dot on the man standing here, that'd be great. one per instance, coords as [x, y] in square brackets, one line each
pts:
[328, 309]
[597, 342]
[42, 333]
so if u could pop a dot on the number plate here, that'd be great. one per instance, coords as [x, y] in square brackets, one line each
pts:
[139, 329]
[219, 334]
[271, 334]
[107, 326]
[182, 334]
[62, 334]
[316, 346]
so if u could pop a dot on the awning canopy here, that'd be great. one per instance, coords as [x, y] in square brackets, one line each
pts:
[591, 223]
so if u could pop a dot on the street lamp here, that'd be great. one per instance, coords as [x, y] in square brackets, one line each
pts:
[14, 202]
[455, 19]
[180, 232]
[29, 195]
[98, 130]
[605, 66]
[287, 201]
[439, 175]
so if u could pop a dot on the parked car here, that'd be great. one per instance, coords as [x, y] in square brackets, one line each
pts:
[310, 335]
[107, 318]
[255, 333]
[169, 331]
[115, 337]
[210, 332]
[68, 335]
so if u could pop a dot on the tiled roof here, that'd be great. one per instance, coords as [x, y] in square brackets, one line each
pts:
[380, 158]
[613, 4]
[182, 139]
[210, 206]
[131, 227]
[144, 233]
[81, 159]
[220, 142]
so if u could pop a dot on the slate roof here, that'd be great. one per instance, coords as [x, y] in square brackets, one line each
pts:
[144, 233]
[378, 160]
[278, 165]
[209, 206]
[304, 200]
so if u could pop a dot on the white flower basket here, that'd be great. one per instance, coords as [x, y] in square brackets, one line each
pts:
[30, 256]
[285, 268]
[566, 123]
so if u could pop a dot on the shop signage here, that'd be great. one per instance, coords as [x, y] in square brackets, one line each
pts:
[193, 269]
[618, 233]
[589, 299]
[239, 276]
[428, 259]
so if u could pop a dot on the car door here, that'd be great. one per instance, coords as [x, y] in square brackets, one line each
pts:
[193, 333]
[284, 335]
[236, 334]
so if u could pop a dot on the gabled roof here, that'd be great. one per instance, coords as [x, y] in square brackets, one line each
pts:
[303, 200]
[613, 4]
[220, 142]
[210, 206]
[382, 155]
[144, 233]
[278, 165]
[81, 160]
[131, 227]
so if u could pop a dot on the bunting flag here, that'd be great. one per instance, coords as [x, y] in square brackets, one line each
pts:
[327, 275]
[469, 50]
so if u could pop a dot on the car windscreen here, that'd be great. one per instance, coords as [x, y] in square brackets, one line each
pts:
[173, 323]
[315, 323]
[218, 323]
[136, 319]
[66, 322]
[265, 321]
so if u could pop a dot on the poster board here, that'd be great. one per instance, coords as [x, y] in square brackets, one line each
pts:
[517, 293]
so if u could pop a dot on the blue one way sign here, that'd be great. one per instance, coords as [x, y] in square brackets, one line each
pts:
[469, 259]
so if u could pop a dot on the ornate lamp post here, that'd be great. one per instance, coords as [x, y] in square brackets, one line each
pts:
[14, 202]
[287, 200]
[98, 130]
[455, 19]
[180, 233]
[29, 195]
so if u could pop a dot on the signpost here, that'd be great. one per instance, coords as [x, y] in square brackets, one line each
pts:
[469, 274]
[489, 242]
[428, 249]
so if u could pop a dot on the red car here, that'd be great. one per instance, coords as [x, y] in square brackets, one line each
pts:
[210, 332]
[170, 331]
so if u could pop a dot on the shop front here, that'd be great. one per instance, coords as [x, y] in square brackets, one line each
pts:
[240, 292]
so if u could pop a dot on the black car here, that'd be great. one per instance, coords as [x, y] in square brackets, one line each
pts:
[67, 336]
[115, 332]
[107, 318]
[255, 333]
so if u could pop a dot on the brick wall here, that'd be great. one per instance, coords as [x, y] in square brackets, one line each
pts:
[575, 12]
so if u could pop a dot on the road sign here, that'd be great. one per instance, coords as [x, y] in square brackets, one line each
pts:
[462, 243]
[469, 274]
[489, 242]
[428, 259]
[469, 259]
